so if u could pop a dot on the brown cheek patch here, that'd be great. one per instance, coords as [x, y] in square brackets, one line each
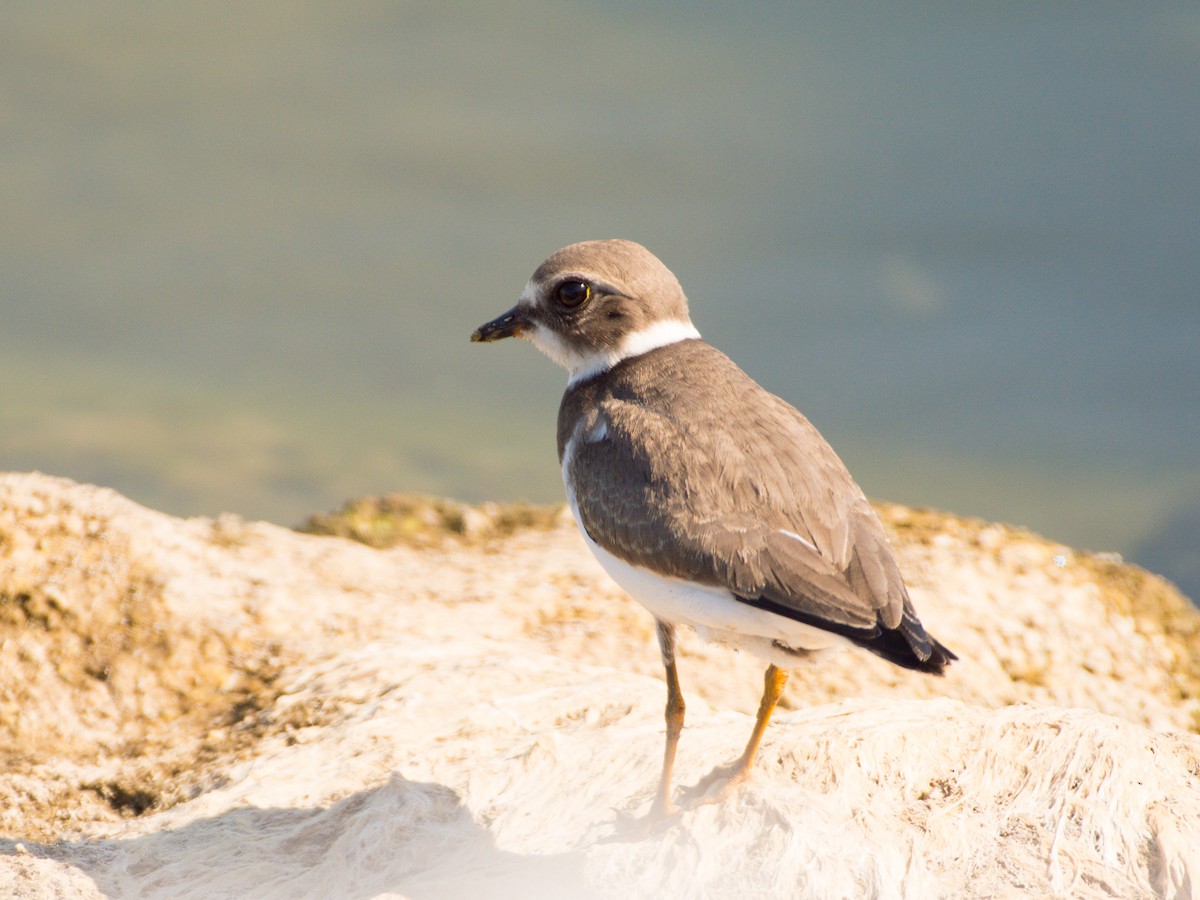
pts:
[594, 328]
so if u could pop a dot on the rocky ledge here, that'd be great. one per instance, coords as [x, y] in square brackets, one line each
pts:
[458, 703]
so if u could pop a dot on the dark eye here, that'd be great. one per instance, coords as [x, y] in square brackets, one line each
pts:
[572, 294]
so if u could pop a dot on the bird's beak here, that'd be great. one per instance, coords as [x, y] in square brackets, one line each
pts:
[511, 324]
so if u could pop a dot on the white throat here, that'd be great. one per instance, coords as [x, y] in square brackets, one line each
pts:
[584, 365]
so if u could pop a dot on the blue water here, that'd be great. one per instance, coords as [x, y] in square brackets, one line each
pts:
[243, 247]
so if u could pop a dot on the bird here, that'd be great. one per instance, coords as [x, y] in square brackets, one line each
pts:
[711, 501]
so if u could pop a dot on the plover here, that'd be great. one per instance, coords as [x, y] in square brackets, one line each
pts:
[711, 501]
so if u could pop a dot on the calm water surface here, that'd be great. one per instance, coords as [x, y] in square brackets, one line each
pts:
[243, 246]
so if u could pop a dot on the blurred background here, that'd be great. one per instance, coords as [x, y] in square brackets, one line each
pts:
[244, 245]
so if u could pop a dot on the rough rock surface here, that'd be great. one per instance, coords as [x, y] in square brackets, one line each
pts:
[205, 708]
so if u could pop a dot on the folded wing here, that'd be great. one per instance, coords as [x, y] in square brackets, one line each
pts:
[778, 521]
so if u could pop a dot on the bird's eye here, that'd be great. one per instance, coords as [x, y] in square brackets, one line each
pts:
[573, 294]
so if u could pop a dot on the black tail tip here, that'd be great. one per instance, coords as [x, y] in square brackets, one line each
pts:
[894, 646]
[939, 658]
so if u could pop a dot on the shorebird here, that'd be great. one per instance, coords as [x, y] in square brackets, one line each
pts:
[709, 500]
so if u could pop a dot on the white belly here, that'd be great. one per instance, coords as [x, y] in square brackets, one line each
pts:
[713, 612]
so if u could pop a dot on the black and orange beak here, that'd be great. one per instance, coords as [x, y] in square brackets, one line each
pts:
[511, 324]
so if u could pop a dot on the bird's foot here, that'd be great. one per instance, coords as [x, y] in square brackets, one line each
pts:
[629, 828]
[717, 785]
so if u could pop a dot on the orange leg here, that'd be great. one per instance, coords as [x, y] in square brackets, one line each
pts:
[719, 783]
[663, 805]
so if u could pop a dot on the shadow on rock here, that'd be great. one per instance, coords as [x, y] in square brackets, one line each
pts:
[409, 838]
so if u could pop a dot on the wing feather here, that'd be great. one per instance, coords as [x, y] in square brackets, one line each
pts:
[756, 502]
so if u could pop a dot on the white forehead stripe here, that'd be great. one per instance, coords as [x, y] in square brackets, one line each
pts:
[660, 334]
